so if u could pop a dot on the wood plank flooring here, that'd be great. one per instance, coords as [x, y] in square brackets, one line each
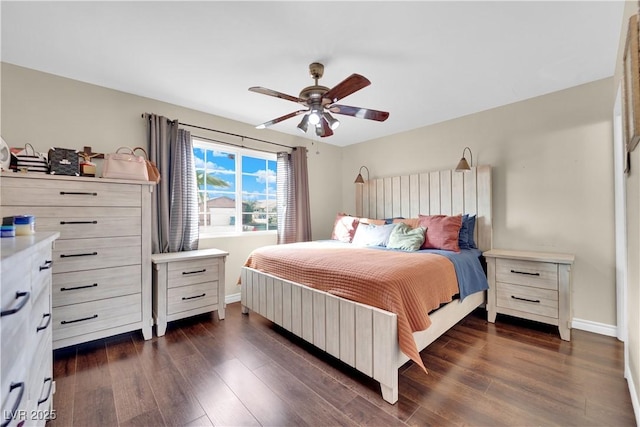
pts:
[246, 371]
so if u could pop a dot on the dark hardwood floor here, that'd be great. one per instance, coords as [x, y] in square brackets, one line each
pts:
[246, 371]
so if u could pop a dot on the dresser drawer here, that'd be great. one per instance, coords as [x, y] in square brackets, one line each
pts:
[15, 301]
[87, 254]
[543, 302]
[84, 318]
[41, 267]
[182, 273]
[530, 273]
[56, 192]
[91, 285]
[40, 324]
[13, 330]
[41, 389]
[192, 296]
[73, 223]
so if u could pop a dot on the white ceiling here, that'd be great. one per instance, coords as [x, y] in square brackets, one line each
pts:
[427, 61]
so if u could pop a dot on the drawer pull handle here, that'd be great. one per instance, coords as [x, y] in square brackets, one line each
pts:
[525, 272]
[50, 381]
[66, 322]
[47, 265]
[78, 287]
[195, 272]
[77, 222]
[77, 193]
[46, 325]
[197, 296]
[526, 299]
[75, 255]
[25, 297]
[8, 416]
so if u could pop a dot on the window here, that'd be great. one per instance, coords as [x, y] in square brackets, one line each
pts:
[236, 189]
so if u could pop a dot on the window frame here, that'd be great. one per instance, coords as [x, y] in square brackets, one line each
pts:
[239, 153]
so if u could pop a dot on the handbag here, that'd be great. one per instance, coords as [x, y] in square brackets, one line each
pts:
[31, 161]
[124, 164]
[64, 161]
[152, 169]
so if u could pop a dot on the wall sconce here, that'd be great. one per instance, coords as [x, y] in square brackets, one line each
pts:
[463, 166]
[359, 179]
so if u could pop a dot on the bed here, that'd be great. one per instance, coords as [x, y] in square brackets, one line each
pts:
[364, 336]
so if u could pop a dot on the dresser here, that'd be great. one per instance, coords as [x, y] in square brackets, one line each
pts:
[186, 284]
[531, 285]
[102, 260]
[26, 354]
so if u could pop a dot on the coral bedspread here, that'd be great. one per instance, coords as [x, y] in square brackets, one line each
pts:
[408, 284]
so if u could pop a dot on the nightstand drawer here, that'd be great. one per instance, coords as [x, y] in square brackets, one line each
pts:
[543, 302]
[182, 273]
[529, 273]
[191, 297]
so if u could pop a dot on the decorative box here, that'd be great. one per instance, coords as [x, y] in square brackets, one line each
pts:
[64, 161]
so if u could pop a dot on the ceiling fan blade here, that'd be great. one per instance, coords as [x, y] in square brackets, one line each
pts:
[351, 84]
[361, 113]
[280, 119]
[265, 91]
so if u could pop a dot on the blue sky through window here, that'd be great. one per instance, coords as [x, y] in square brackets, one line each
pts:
[220, 173]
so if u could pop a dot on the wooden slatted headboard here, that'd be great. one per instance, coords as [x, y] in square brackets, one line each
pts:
[444, 192]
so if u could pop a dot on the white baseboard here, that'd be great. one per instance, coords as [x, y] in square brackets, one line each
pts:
[595, 327]
[635, 399]
[232, 298]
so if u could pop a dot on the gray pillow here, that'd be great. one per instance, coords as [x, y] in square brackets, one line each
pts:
[406, 238]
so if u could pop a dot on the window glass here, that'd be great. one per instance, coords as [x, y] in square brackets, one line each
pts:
[236, 189]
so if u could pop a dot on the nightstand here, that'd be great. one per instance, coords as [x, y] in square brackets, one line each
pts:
[187, 283]
[531, 285]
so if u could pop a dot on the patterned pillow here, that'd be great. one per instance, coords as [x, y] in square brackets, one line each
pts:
[406, 238]
[442, 231]
[344, 228]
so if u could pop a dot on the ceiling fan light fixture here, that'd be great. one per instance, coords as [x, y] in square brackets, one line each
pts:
[304, 124]
[319, 131]
[333, 123]
[314, 117]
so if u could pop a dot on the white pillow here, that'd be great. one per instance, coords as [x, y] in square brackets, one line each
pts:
[373, 235]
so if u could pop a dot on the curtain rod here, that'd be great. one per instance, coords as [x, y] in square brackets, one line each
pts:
[237, 145]
[231, 134]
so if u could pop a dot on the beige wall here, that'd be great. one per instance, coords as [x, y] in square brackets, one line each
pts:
[633, 240]
[47, 111]
[552, 179]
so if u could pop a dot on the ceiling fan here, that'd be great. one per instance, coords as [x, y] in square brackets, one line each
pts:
[321, 101]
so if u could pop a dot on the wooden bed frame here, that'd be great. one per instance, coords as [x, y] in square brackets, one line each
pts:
[362, 336]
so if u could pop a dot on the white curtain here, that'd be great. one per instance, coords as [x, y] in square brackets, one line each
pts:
[294, 214]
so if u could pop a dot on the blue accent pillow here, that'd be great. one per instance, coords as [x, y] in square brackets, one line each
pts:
[465, 239]
[390, 220]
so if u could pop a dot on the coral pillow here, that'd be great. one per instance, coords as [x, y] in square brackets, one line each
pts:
[411, 222]
[442, 231]
[344, 228]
